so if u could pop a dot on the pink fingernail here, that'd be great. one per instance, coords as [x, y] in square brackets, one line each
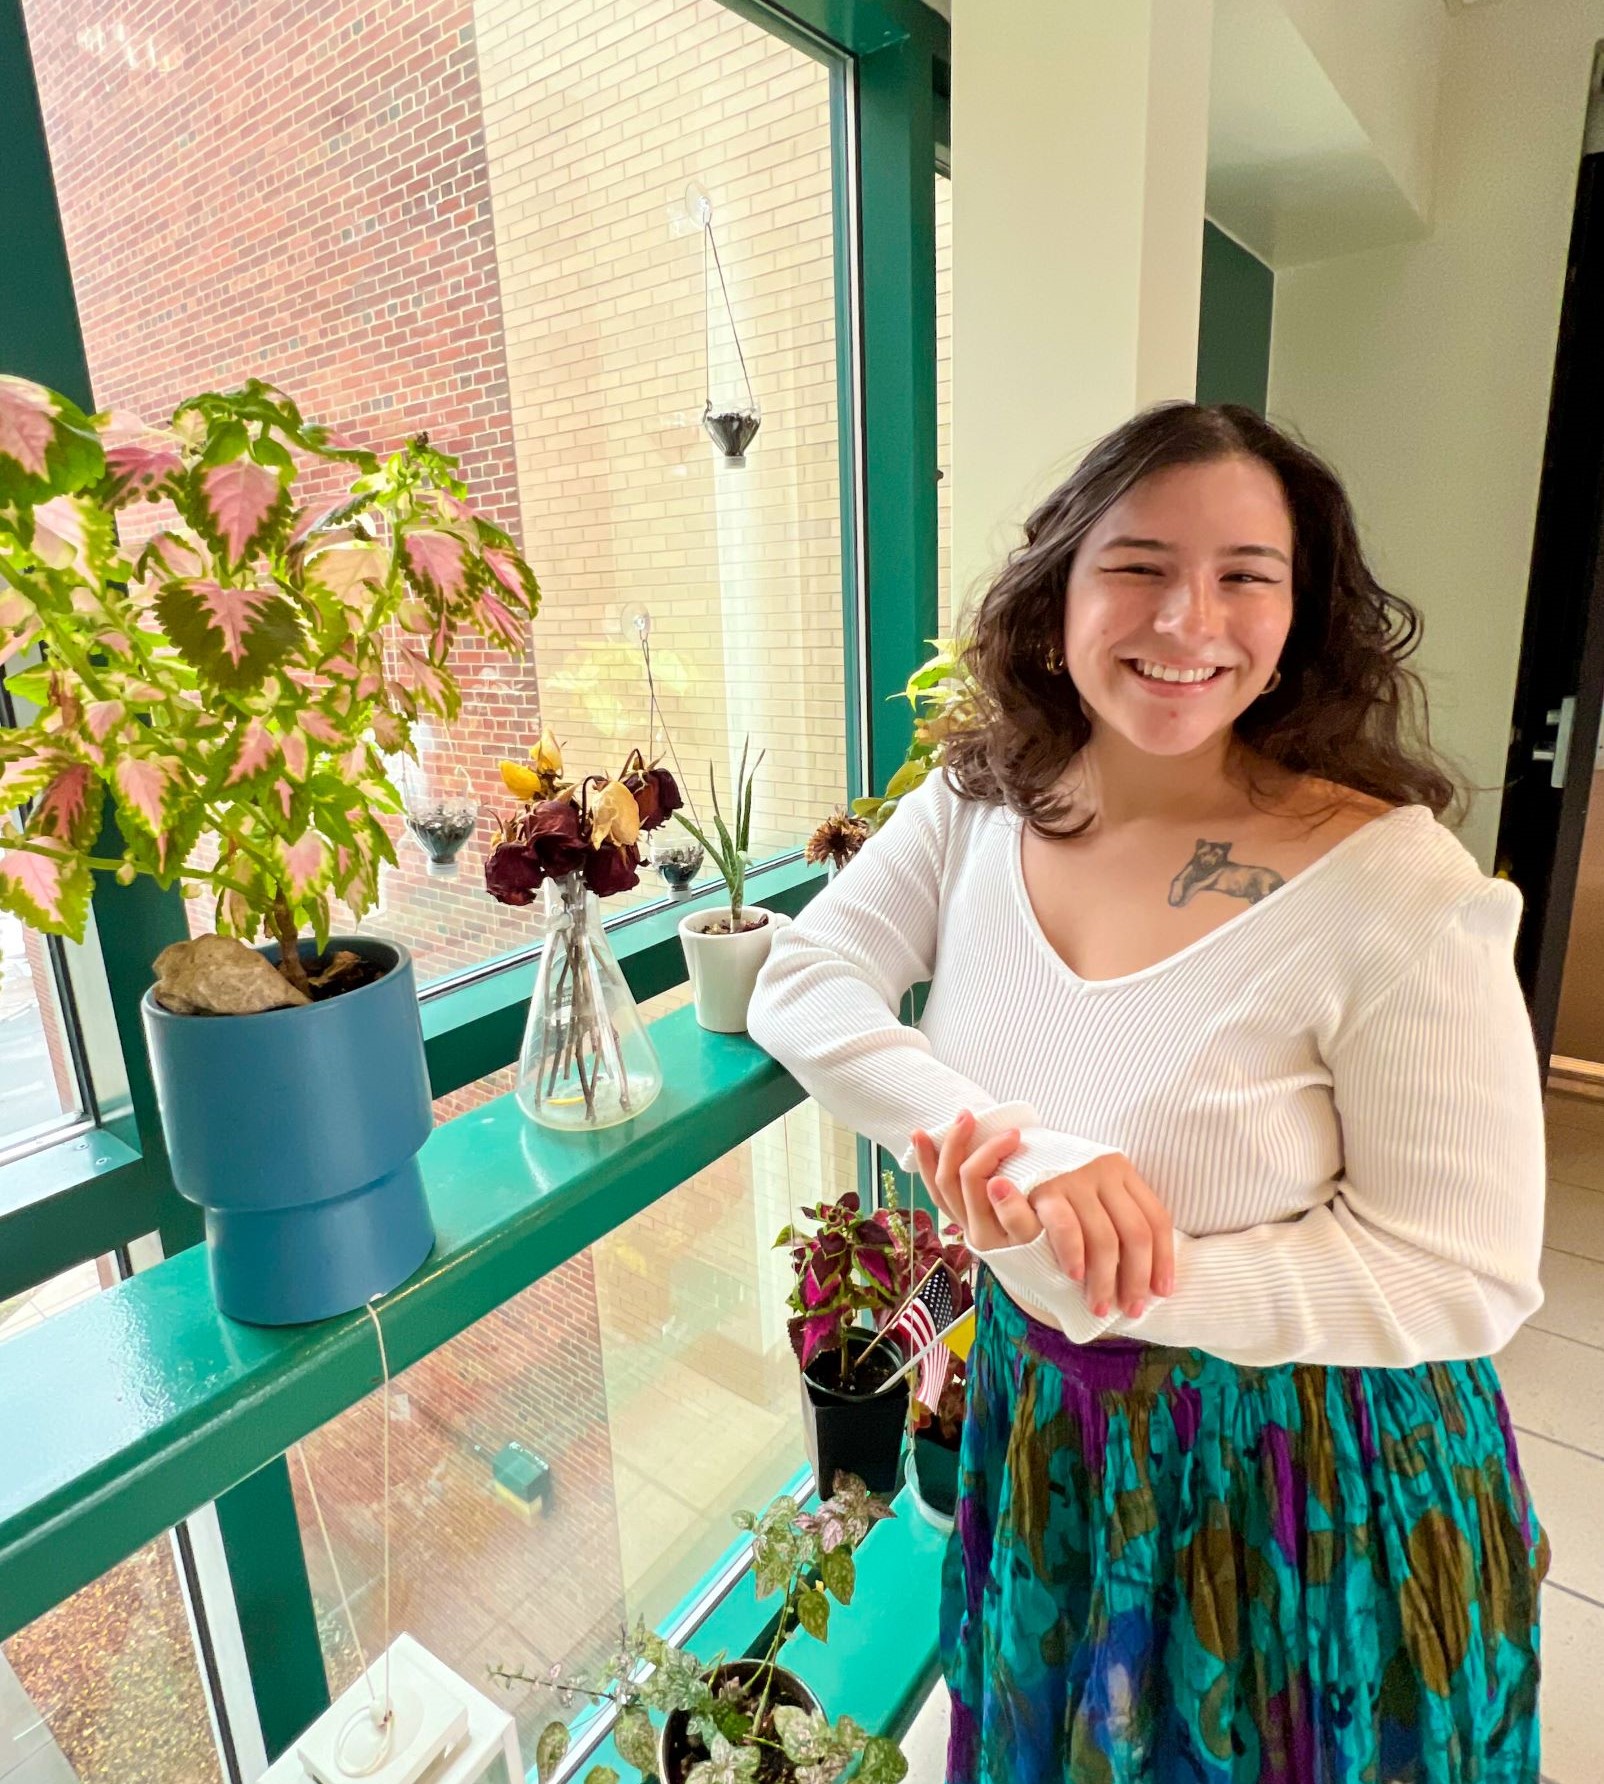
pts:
[1101, 1309]
[996, 1189]
[1138, 1310]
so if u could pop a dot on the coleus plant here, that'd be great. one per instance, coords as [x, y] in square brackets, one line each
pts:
[852, 1265]
[233, 683]
[944, 700]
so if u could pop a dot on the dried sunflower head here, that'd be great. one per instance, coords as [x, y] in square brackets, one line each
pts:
[837, 839]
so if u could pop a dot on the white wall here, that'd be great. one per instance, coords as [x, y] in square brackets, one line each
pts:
[1423, 370]
[1080, 134]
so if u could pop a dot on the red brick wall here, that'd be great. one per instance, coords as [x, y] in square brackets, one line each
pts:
[297, 190]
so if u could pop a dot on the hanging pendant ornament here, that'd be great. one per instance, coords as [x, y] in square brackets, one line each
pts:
[408, 1716]
[731, 427]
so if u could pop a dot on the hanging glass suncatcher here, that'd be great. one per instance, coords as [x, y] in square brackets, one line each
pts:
[731, 426]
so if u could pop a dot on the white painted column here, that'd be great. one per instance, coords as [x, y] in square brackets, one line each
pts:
[1080, 149]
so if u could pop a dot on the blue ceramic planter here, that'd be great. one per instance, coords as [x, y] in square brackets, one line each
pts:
[297, 1131]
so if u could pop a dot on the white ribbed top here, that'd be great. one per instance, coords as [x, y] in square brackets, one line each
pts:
[1335, 1093]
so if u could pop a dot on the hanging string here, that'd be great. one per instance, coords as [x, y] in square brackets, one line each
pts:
[380, 1713]
[707, 316]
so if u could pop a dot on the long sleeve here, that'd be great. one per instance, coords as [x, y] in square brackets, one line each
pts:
[1428, 1248]
[825, 1003]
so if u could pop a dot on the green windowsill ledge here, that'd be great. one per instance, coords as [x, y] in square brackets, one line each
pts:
[129, 1411]
[86, 1195]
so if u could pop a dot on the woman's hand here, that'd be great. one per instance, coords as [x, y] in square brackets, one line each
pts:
[1106, 1227]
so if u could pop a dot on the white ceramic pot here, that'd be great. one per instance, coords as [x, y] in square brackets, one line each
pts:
[724, 968]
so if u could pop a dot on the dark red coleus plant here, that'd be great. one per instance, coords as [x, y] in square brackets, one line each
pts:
[855, 1264]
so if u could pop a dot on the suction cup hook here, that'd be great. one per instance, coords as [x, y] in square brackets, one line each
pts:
[440, 810]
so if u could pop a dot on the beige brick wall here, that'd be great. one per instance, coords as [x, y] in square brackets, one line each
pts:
[597, 118]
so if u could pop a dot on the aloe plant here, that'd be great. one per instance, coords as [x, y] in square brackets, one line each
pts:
[234, 682]
[730, 853]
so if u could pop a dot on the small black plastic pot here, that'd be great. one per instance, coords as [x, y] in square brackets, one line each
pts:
[860, 1431]
[675, 1754]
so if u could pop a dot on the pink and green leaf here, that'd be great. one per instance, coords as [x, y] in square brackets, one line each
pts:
[321, 728]
[515, 577]
[437, 563]
[233, 636]
[25, 777]
[255, 751]
[102, 717]
[306, 864]
[73, 533]
[142, 463]
[297, 755]
[429, 683]
[69, 809]
[48, 446]
[390, 730]
[352, 573]
[238, 506]
[496, 624]
[49, 892]
[148, 787]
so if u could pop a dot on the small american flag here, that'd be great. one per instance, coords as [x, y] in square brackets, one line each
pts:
[927, 1315]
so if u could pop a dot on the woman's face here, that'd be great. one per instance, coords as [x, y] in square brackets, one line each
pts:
[1190, 570]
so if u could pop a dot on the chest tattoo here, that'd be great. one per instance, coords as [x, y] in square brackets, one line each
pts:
[1211, 869]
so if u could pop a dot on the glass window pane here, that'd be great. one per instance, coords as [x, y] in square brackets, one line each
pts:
[35, 1305]
[652, 1377]
[38, 1084]
[944, 400]
[105, 1688]
[481, 219]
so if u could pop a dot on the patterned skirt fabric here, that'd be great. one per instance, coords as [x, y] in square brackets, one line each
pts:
[1169, 1569]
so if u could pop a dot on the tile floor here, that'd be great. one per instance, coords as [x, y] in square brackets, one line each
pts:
[1554, 1380]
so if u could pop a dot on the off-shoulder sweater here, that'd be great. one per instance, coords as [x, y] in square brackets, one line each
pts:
[1335, 1092]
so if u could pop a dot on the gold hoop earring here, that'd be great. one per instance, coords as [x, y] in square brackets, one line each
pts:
[1274, 682]
[1054, 660]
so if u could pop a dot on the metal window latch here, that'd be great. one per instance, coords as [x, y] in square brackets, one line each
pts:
[1559, 750]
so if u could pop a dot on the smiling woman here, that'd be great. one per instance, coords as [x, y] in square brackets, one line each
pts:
[1199, 568]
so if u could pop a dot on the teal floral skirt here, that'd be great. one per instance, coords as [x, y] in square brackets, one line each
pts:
[1170, 1569]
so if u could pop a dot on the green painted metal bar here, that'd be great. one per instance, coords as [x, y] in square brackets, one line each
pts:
[77, 1199]
[145, 1402]
[277, 1617]
[1233, 336]
[84, 1196]
[897, 217]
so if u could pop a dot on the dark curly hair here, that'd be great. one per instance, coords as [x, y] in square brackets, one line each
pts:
[1345, 707]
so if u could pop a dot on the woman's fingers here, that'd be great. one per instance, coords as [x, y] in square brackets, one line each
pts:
[1064, 1235]
[956, 1174]
[974, 1174]
[1135, 1275]
[1014, 1213]
[1102, 1254]
[928, 1159]
[1163, 1231]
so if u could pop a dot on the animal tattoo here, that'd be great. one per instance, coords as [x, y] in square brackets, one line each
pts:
[1211, 869]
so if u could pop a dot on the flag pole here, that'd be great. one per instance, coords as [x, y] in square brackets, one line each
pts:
[901, 1309]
